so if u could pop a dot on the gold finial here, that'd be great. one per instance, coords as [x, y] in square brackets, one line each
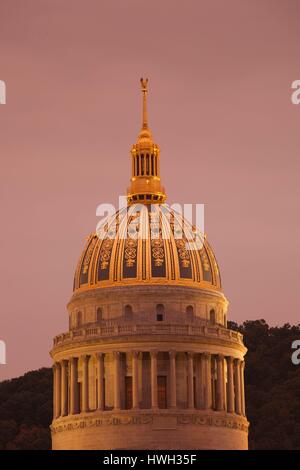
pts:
[145, 181]
[144, 85]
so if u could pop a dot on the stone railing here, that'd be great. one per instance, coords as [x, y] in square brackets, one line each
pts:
[147, 329]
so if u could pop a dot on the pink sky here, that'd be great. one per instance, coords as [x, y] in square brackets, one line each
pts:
[220, 108]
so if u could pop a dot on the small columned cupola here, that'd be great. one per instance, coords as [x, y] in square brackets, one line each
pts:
[145, 181]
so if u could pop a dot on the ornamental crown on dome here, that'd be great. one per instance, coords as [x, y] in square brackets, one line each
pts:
[145, 154]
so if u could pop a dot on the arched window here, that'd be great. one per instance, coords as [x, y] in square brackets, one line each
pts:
[160, 312]
[190, 312]
[79, 319]
[128, 312]
[99, 315]
[212, 316]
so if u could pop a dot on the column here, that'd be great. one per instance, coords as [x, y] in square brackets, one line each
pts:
[224, 383]
[242, 368]
[190, 380]
[172, 355]
[220, 382]
[54, 390]
[230, 400]
[200, 365]
[85, 383]
[117, 388]
[57, 390]
[154, 403]
[237, 386]
[74, 402]
[207, 381]
[135, 384]
[64, 388]
[100, 384]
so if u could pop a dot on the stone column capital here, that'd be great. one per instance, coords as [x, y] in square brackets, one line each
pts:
[85, 358]
[99, 355]
[135, 354]
[220, 357]
[206, 356]
[64, 363]
[116, 354]
[172, 353]
[190, 354]
[153, 353]
[229, 359]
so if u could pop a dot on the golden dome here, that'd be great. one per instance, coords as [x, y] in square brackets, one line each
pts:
[147, 244]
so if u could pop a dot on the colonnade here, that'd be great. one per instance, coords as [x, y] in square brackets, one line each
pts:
[145, 165]
[214, 382]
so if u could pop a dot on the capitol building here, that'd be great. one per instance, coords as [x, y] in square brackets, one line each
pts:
[148, 361]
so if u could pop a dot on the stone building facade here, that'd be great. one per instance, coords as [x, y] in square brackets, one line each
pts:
[148, 361]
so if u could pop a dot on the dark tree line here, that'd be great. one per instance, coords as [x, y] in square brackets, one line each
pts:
[26, 411]
[272, 385]
[272, 394]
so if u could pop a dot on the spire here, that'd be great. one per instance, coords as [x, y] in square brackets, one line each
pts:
[144, 85]
[145, 180]
[145, 136]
